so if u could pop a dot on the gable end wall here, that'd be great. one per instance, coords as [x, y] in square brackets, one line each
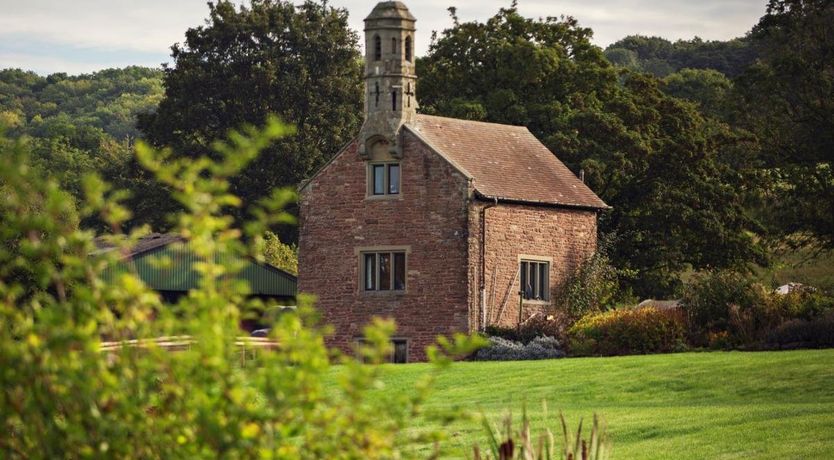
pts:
[429, 217]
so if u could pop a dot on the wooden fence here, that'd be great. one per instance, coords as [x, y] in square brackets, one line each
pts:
[249, 346]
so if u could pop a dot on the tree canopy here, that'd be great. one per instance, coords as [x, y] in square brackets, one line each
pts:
[662, 165]
[79, 124]
[660, 57]
[788, 101]
[269, 57]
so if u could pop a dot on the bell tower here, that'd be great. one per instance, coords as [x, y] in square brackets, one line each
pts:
[390, 81]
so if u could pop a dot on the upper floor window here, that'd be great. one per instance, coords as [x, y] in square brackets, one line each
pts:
[535, 280]
[377, 48]
[393, 45]
[385, 179]
[408, 49]
[383, 270]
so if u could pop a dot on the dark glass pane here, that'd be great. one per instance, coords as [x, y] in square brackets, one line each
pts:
[408, 49]
[377, 48]
[370, 272]
[393, 100]
[385, 271]
[399, 271]
[378, 172]
[393, 45]
[393, 179]
[544, 279]
[524, 279]
[400, 351]
[537, 285]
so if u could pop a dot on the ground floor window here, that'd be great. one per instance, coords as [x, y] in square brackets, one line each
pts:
[400, 354]
[535, 280]
[399, 350]
[383, 271]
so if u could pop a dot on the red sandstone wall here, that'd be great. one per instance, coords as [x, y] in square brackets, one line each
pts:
[430, 215]
[568, 236]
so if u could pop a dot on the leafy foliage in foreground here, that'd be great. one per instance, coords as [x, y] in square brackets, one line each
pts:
[60, 394]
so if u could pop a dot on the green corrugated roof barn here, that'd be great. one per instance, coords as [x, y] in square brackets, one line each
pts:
[179, 276]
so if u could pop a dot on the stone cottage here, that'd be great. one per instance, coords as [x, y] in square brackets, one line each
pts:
[439, 223]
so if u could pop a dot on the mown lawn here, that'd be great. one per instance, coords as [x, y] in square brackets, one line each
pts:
[717, 405]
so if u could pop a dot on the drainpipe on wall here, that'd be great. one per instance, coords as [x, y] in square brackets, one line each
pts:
[483, 263]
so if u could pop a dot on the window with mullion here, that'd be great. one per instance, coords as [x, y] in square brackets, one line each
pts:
[384, 271]
[535, 280]
[385, 179]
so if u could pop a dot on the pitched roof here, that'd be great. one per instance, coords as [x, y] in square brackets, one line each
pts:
[180, 275]
[505, 162]
[144, 244]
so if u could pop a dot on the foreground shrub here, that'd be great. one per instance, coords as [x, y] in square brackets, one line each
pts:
[62, 396]
[500, 349]
[520, 445]
[800, 333]
[629, 331]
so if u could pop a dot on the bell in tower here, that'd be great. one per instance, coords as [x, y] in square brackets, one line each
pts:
[390, 81]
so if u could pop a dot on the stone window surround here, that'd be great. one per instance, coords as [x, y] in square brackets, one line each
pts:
[369, 173]
[360, 250]
[535, 258]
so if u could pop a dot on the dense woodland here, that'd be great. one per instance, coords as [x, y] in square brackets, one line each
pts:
[713, 154]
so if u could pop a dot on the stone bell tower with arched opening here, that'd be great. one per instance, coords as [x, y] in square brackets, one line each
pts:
[390, 80]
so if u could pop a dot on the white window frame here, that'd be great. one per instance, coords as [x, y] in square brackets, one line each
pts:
[539, 297]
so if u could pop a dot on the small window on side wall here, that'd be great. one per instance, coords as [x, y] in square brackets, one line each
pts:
[535, 280]
[377, 48]
[385, 179]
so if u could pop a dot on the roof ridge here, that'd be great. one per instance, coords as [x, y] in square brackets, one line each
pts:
[464, 120]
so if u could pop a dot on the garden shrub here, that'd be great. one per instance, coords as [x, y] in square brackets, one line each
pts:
[61, 396]
[708, 300]
[801, 333]
[594, 286]
[540, 325]
[629, 331]
[500, 349]
[726, 309]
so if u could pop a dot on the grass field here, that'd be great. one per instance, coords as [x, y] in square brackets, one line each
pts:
[718, 405]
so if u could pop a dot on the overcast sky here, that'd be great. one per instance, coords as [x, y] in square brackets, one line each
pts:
[78, 36]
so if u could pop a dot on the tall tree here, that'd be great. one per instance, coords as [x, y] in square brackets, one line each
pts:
[654, 158]
[789, 103]
[270, 57]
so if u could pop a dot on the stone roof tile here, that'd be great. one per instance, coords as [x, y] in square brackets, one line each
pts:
[506, 162]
